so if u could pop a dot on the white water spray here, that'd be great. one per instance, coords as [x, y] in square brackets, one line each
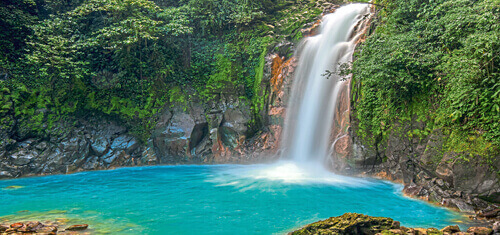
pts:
[310, 114]
[314, 97]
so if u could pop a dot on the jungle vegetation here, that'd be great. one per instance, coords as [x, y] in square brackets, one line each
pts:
[126, 59]
[435, 62]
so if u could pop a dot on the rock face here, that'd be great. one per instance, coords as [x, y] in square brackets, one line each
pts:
[224, 130]
[427, 171]
[197, 135]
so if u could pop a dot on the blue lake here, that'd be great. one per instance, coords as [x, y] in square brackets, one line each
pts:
[210, 199]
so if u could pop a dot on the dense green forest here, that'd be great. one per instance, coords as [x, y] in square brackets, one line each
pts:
[129, 58]
[436, 62]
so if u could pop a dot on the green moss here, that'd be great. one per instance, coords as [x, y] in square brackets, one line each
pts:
[348, 223]
[258, 100]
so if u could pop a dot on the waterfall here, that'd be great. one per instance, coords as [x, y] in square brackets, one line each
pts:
[314, 97]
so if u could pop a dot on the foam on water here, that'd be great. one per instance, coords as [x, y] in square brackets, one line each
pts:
[289, 172]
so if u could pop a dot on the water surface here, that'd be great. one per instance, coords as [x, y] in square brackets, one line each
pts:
[216, 199]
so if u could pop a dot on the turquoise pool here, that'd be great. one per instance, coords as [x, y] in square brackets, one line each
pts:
[210, 199]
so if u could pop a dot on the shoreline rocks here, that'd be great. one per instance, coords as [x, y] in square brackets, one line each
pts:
[37, 227]
[354, 224]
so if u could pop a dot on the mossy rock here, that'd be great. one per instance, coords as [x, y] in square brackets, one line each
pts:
[349, 223]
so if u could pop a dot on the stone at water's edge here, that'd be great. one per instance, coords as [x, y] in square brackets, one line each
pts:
[77, 227]
[480, 230]
[349, 223]
[35, 227]
[427, 171]
[359, 224]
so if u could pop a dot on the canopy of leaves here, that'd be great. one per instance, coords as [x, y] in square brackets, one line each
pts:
[128, 58]
[439, 60]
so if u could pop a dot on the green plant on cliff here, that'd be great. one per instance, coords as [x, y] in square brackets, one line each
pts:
[62, 59]
[441, 55]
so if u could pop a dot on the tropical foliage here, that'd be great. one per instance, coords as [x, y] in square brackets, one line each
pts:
[439, 62]
[129, 58]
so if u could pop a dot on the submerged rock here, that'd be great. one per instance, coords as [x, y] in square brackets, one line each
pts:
[77, 227]
[47, 229]
[17, 225]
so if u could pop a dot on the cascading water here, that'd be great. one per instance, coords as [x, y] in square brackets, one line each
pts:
[314, 97]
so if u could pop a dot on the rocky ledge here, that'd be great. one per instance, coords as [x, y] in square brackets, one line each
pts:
[353, 223]
[36, 227]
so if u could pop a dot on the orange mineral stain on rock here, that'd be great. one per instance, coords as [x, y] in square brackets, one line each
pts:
[279, 70]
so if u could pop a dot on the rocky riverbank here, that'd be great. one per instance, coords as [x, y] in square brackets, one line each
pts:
[353, 223]
[425, 169]
[47, 228]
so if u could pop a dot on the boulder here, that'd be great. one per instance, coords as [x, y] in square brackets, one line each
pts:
[234, 127]
[22, 157]
[17, 225]
[33, 226]
[451, 229]
[99, 144]
[480, 230]
[77, 227]
[124, 142]
[349, 223]
[490, 213]
[47, 229]
[171, 138]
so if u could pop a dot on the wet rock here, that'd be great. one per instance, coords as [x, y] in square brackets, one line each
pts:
[149, 156]
[480, 230]
[110, 157]
[5, 174]
[47, 229]
[33, 226]
[77, 227]
[3, 228]
[459, 203]
[123, 143]
[349, 223]
[171, 140]
[17, 225]
[451, 229]
[10, 231]
[490, 213]
[234, 127]
[22, 158]
[99, 144]
[91, 163]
